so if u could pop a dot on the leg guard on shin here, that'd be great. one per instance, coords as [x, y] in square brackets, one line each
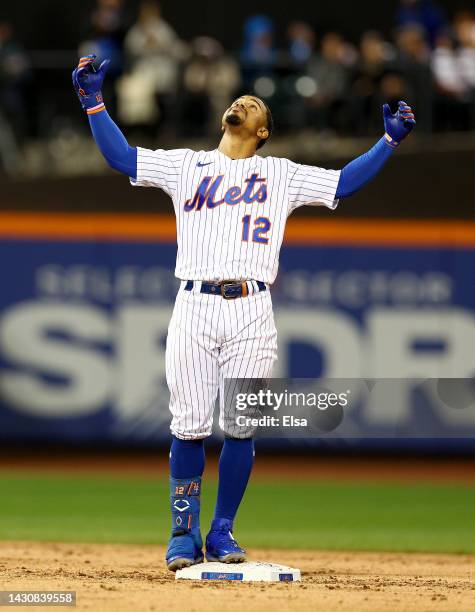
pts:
[185, 545]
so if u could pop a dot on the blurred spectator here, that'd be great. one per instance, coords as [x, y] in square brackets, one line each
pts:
[301, 39]
[290, 87]
[465, 31]
[414, 62]
[446, 68]
[330, 71]
[258, 55]
[423, 13]
[369, 80]
[392, 88]
[162, 81]
[14, 76]
[412, 45]
[154, 55]
[107, 31]
[375, 54]
[452, 99]
[210, 82]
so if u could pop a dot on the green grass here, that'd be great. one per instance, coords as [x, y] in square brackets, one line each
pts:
[302, 514]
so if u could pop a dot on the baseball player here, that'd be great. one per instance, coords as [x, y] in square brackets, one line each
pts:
[231, 207]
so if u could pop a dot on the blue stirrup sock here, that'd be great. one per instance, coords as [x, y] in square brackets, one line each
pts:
[235, 465]
[186, 468]
[187, 460]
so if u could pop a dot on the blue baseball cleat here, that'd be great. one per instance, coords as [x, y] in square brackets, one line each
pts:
[220, 544]
[184, 549]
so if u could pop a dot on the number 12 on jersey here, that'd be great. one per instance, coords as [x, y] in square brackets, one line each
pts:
[261, 227]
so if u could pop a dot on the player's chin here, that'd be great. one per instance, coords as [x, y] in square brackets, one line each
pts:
[234, 119]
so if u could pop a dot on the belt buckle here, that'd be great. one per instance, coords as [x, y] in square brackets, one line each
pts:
[223, 291]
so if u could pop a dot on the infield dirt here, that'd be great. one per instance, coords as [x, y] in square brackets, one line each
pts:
[111, 578]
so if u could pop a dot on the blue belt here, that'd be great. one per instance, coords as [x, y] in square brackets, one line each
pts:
[229, 290]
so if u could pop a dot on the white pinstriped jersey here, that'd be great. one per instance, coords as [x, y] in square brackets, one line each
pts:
[231, 214]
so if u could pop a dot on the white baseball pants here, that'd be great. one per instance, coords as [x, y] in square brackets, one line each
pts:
[211, 339]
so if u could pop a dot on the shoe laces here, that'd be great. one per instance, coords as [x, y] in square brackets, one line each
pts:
[227, 535]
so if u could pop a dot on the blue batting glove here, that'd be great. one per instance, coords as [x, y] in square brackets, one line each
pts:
[398, 125]
[87, 81]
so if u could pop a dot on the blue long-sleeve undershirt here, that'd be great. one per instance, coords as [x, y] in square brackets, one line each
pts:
[122, 157]
[362, 169]
[113, 144]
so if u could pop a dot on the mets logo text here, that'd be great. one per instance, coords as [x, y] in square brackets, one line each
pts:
[254, 191]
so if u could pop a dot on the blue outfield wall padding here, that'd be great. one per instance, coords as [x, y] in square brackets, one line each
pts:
[83, 328]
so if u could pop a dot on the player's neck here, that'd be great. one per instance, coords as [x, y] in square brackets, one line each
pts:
[235, 147]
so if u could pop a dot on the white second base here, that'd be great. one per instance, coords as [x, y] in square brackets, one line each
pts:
[251, 571]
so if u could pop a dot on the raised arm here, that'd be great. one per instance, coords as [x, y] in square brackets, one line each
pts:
[112, 143]
[362, 169]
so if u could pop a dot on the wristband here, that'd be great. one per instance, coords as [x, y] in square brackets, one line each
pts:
[96, 109]
[390, 141]
[96, 100]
